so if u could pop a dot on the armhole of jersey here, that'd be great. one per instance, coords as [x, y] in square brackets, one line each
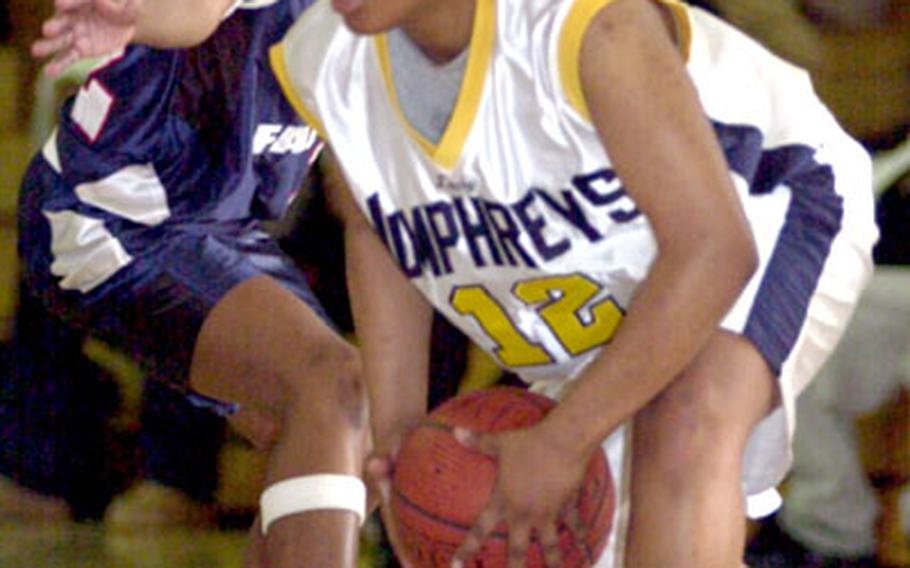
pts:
[279, 66]
[572, 33]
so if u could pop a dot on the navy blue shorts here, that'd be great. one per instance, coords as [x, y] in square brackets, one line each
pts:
[155, 306]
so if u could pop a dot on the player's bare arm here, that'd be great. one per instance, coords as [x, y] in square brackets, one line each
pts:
[393, 324]
[651, 122]
[81, 29]
[649, 119]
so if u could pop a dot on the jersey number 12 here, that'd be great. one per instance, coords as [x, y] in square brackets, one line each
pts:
[559, 301]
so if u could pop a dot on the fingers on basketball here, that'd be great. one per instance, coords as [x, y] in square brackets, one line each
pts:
[442, 490]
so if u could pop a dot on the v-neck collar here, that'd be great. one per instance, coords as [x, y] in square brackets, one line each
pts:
[448, 150]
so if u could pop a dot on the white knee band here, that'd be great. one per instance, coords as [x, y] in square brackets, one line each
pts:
[310, 493]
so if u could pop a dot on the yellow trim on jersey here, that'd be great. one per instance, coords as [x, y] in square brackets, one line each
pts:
[447, 152]
[279, 66]
[475, 75]
[573, 32]
[683, 27]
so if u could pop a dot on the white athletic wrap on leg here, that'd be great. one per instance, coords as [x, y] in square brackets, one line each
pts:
[310, 493]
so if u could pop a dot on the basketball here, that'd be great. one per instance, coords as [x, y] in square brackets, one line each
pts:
[440, 486]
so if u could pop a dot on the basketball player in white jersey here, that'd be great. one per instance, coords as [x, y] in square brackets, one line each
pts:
[639, 210]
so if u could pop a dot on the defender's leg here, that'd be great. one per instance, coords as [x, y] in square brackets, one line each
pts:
[297, 384]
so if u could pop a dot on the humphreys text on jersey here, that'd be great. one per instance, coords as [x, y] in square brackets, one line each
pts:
[499, 234]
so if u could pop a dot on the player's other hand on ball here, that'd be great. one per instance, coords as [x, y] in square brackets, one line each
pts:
[379, 466]
[535, 487]
[379, 470]
[81, 29]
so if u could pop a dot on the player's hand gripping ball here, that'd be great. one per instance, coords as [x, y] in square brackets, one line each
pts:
[440, 486]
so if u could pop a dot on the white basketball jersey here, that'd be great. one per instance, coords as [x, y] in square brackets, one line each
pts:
[515, 225]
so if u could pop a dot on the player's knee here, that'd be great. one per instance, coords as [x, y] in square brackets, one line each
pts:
[260, 427]
[685, 432]
[349, 387]
[329, 382]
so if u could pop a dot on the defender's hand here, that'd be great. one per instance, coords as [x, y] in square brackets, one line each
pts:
[82, 29]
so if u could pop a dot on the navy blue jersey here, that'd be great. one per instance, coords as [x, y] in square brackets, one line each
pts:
[156, 139]
[144, 207]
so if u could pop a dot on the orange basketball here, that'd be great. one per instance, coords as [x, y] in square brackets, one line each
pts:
[440, 487]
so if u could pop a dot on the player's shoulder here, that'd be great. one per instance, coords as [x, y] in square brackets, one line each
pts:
[749, 71]
[122, 81]
[317, 25]
[559, 24]
[315, 56]
[717, 42]
[139, 69]
[122, 94]
[515, 15]
[318, 35]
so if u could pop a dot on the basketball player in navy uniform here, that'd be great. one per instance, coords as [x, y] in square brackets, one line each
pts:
[141, 220]
[638, 209]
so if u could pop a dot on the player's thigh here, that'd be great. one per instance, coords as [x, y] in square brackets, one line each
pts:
[261, 346]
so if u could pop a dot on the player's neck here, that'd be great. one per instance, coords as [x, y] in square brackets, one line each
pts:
[443, 29]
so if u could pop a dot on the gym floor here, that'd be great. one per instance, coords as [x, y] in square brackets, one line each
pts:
[72, 545]
[90, 545]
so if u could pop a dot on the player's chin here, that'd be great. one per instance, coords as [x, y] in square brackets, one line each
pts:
[361, 19]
